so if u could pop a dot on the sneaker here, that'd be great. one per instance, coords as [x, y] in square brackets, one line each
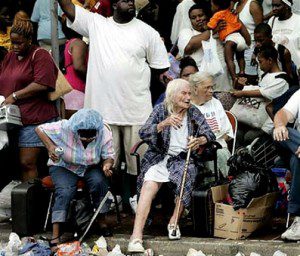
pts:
[177, 236]
[293, 232]
[133, 203]
[136, 246]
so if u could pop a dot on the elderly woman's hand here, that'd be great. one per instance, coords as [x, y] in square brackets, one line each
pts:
[174, 120]
[107, 167]
[195, 143]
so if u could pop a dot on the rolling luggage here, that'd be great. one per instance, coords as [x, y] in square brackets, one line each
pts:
[29, 202]
[203, 208]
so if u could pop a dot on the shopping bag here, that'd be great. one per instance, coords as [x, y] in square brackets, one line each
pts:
[210, 62]
[251, 110]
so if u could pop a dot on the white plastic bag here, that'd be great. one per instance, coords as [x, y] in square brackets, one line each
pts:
[250, 110]
[3, 139]
[5, 200]
[13, 245]
[210, 62]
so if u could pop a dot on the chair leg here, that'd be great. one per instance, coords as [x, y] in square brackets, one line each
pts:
[48, 211]
[117, 208]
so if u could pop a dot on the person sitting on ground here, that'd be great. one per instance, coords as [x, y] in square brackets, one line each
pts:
[235, 35]
[88, 154]
[289, 139]
[202, 97]
[173, 127]
[27, 74]
[262, 34]
[274, 83]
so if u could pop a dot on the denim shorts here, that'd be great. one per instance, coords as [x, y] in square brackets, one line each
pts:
[28, 138]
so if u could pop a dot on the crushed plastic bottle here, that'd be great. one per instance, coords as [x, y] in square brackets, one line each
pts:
[279, 253]
[13, 245]
[116, 251]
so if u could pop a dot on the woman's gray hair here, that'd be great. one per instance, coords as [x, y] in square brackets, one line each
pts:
[173, 87]
[198, 78]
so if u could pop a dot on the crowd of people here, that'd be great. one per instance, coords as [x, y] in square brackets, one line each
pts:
[116, 56]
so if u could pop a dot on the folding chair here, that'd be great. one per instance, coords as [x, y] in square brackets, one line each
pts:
[234, 123]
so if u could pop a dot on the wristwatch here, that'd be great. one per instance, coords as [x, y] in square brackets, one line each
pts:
[14, 95]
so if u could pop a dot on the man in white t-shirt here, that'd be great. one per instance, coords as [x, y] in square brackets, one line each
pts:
[285, 28]
[289, 139]
[122, 51]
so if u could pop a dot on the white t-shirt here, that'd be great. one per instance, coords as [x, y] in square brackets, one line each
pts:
[267, 6]
[217, 120]
[118, 76]
[287, 33]
[293, 106]
[179, 138]
[181, 19]
[272, 87]
[185, 36]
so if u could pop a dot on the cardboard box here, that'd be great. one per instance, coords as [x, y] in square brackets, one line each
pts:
[241, 223]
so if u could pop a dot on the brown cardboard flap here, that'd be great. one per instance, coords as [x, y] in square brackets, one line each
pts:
[219, 193]
[265, 200]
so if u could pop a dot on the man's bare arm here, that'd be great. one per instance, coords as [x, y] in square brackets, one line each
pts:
[68, 8]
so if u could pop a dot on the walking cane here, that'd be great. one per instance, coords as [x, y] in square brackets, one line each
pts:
[94, 216]
[181, 190]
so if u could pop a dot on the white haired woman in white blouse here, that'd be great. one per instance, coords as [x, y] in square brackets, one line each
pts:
[202, 84]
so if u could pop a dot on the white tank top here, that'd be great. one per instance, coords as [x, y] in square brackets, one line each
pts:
[246, 17]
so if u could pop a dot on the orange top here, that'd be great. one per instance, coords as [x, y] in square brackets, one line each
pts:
[232, 23]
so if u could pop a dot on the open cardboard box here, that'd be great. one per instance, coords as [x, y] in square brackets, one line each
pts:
[241, 223]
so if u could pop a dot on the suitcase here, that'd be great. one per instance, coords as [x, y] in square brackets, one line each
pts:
[203, 212]
[203, 208]
[29, 202]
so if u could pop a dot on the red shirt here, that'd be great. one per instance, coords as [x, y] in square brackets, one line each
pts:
[102, 7]
[17, 74]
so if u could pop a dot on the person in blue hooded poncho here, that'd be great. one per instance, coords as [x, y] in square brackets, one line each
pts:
[86, 152]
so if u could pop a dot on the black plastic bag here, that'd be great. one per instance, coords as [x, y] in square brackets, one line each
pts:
[80, 214]
[250, 179]
[245, 186]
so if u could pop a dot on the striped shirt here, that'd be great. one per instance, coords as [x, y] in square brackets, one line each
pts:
[76, 158]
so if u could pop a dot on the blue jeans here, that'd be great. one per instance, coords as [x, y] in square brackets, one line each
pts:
[292, 145]
[65, 184]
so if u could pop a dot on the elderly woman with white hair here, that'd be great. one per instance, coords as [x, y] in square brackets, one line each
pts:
[202, 96]
[86, 153]
[173, 127]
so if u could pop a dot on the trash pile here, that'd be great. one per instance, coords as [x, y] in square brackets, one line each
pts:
[29, 246]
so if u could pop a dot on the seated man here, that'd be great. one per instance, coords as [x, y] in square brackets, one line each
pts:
[173, 127]
[289, 139]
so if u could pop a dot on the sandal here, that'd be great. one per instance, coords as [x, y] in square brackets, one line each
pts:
[52, 245]
[135, 246]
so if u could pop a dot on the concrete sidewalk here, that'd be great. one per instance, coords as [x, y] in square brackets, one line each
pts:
[264, 243]
[210, 246]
